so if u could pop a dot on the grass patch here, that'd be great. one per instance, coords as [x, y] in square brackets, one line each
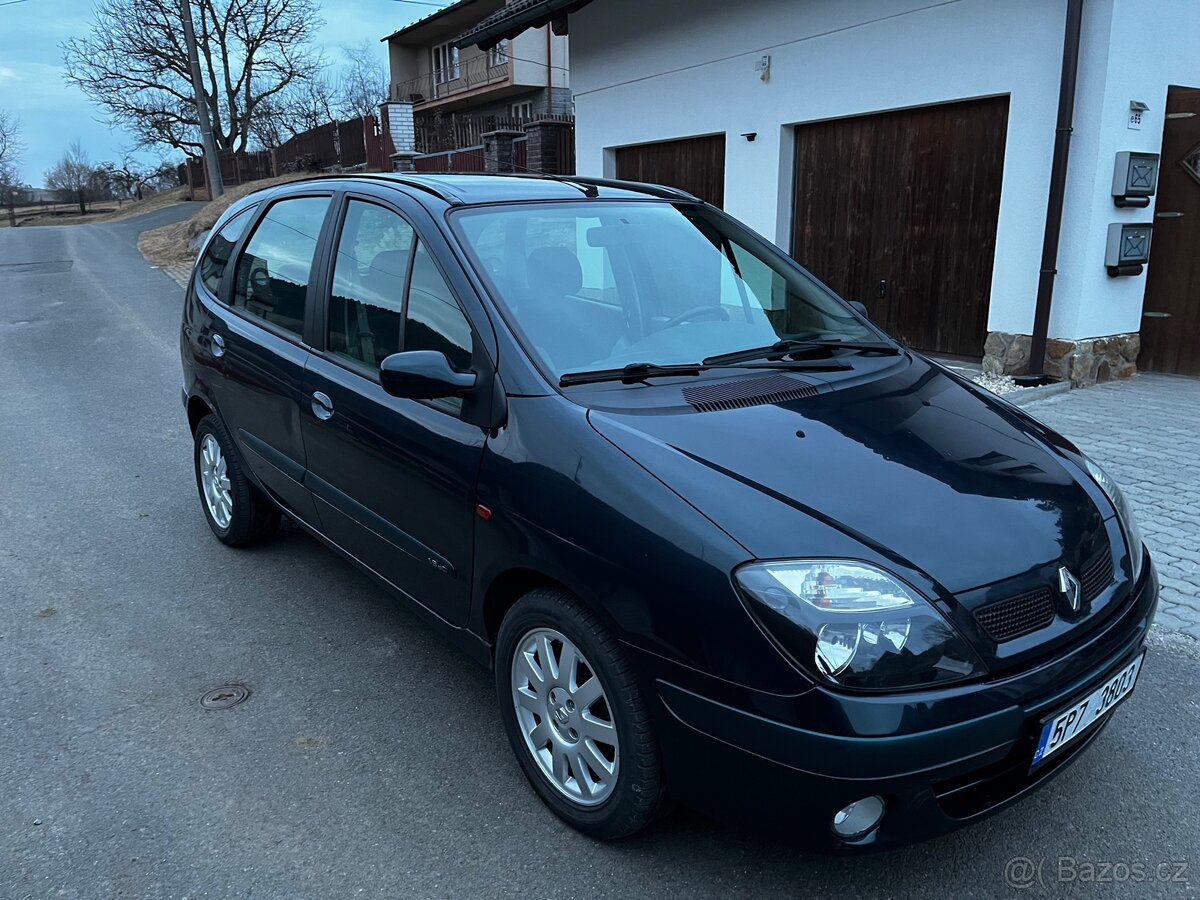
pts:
[107, 211]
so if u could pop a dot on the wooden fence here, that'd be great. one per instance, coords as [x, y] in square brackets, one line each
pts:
[353, 144]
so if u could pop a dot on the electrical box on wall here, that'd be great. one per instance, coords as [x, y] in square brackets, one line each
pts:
[1128, 248]
[1135, 179]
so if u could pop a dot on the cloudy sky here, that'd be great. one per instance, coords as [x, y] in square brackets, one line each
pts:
[53, 114]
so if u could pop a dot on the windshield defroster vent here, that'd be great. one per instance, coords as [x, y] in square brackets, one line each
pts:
[748, 392]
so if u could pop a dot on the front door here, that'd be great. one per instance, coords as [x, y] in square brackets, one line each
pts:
[899, 210]
[393, 480]
[1171, 316]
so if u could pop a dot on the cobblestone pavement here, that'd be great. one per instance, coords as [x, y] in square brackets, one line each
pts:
[1146, 433]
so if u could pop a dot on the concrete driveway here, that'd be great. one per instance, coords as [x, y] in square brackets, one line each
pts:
[369, 760]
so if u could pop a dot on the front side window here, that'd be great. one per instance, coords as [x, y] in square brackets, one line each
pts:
[388, 295]
[273, 273]
[220, 249]
[602, 284]
[366, 305]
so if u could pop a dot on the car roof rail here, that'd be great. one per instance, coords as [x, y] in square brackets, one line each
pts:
[654, 190]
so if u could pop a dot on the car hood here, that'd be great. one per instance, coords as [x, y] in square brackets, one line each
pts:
[911, 466]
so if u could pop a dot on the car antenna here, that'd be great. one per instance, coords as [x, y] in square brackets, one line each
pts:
[589, 190]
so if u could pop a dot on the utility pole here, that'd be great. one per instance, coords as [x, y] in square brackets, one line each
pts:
[211, 161]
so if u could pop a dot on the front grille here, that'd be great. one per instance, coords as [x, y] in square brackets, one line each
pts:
[1096, 576]
[747, 392]
[1011, 618]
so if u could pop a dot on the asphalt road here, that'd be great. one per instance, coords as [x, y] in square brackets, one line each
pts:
[369, 760]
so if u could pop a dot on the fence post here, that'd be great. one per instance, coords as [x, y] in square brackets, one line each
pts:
[399, 132]
[548, 146]
[499, 154]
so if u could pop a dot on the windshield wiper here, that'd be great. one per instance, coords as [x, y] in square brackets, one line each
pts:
[635, 372]
[787, 347]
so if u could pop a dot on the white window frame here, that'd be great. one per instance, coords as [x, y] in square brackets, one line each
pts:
[498, 55]
[445, 63]
[522, 110]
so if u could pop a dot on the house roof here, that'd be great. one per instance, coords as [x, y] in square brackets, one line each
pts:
[459, 10]
[514, 18]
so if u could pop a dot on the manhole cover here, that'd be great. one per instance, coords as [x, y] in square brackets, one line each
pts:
[225, 696]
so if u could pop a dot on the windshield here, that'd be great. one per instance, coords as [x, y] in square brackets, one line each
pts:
[602, 284]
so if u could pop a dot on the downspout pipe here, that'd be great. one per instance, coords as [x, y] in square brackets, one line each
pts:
[1058, 189]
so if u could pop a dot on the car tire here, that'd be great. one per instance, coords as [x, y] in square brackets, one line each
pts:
[237, 513]
[625, 789]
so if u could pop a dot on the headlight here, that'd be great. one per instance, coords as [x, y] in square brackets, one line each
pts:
[854, 625]
[1133, 534]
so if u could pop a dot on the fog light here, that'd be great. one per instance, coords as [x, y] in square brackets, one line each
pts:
[858, 818]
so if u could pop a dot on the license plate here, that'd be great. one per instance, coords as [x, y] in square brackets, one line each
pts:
[1081, 715]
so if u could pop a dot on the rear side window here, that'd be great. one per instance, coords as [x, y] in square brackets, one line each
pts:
[273, 273]
[220, 248]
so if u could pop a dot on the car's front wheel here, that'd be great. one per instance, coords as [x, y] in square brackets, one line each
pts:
[236, 512]
[575, 717]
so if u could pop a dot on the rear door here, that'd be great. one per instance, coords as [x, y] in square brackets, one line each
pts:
[260, 348]
[393, 480]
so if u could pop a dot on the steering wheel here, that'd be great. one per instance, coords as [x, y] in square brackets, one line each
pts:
[707, 311]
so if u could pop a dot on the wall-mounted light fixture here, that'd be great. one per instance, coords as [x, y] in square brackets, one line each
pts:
[751, 136]
[1136, 109]
[763, 67]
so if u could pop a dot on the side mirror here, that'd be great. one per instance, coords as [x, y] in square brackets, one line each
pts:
[423, 375]
[859, 308]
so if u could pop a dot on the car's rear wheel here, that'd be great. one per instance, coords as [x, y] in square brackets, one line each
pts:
[234, 509]
[575, 717]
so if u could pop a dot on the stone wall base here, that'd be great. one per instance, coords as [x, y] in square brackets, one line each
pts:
[1082, 362]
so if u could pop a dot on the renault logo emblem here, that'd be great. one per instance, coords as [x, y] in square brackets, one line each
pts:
[1069, 585]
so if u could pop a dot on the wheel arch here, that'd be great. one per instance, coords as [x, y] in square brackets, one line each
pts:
[197, 409]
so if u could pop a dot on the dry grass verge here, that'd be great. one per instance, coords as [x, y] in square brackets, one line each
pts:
[36, 216]
[171, 245]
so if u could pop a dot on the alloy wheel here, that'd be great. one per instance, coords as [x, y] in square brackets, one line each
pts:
[214, 479]
[565, 717]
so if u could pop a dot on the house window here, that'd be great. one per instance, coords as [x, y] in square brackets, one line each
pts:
[523, 110]
[445, 64]
[498, 55]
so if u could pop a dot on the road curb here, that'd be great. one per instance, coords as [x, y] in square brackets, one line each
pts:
[1025, 396]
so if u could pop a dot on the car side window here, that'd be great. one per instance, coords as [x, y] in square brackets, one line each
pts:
[272, 276]
[220, 249]
[366, 305]
[434, 320]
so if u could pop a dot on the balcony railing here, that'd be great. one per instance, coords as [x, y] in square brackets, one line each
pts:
[442, 83]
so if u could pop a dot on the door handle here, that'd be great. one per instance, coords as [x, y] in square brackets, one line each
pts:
[882, 290]
[322, 406]
[218, 345]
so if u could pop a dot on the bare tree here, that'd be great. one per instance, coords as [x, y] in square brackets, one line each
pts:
[132, 180]
[73, 175]
[10, 150]
[306, 104]
[134, 64]
[364, 81]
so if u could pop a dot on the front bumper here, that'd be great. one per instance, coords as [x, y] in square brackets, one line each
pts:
[939, 759]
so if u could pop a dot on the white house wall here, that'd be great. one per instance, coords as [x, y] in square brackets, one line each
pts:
[678, 68]
[1132, 50]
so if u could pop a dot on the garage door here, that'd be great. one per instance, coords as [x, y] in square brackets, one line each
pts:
[899, 210]
[695, 165]
[1171, 323]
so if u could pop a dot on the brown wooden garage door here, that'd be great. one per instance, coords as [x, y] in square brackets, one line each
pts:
[1171, 318]
[899, 210]
[695, 165]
